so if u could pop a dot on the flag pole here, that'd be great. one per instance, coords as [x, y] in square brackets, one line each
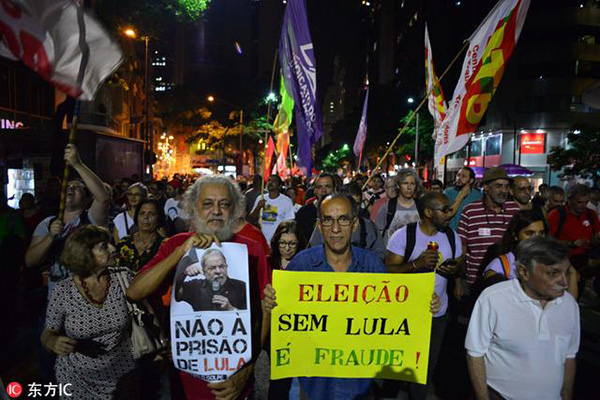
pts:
[290, 153]
[269, 116]
[374, 170]
[85, 55]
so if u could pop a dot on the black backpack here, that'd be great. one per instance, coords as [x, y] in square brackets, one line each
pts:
[391, 211]
[411, 238]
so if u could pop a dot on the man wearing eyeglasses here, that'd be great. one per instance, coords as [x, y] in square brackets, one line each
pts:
[50, 234]
[214, 205]
[412, 250]
[337, 218]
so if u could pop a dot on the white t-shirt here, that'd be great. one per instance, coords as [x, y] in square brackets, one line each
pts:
[275, 211]
[496, 266]
[123, 228]
[524, 346]
[397, 245]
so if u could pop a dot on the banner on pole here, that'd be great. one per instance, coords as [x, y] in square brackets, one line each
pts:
[436, 100]
[299, 71]
[350, 325]
[44, 35]
[490, 48]
[361, 134]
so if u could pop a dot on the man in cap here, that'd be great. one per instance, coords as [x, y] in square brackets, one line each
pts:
[483, 223]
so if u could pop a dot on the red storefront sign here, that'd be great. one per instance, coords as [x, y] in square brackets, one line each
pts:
[533, 143]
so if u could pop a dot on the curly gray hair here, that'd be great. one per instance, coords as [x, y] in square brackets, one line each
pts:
[238, 204]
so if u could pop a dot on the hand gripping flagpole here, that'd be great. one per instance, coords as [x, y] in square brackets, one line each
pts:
[85, 55]
[391, 146]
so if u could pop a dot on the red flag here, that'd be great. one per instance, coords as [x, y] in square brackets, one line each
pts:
[269, 157]
[283, 145]
[45, 36]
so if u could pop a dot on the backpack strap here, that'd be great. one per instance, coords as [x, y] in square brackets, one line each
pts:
[505, 265]
[411, 238]
[451, 240]
[562, 217]
[126, 223]
[391, 211]
[363, 233]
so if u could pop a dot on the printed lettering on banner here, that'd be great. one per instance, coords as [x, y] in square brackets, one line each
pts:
[351, 325]
[210, 312]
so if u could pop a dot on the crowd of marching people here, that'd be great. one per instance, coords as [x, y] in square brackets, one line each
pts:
[509, 265]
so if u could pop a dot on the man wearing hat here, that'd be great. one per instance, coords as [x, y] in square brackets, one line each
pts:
[483, 222]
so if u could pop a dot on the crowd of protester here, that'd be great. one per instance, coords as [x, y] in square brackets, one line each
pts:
[502, 256]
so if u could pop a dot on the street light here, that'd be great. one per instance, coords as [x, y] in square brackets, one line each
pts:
[130, 32]
[411, 100]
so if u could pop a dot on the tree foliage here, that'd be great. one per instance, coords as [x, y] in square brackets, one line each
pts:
[406, 143]
[581, 157]
[334, 159]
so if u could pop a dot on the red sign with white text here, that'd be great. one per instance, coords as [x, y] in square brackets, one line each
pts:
[533, 143]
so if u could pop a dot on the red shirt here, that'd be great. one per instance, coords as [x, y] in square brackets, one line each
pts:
[575, 227]
[260, 276]
[479, 228]
[251, 232]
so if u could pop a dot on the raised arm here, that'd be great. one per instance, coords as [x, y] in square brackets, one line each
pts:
[101, 198]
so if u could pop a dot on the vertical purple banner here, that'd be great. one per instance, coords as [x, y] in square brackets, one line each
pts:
[297, 59]
[361, 134]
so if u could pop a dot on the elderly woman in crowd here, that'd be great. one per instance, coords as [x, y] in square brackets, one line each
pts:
[135, 250]
[124, 221]
[88, 323]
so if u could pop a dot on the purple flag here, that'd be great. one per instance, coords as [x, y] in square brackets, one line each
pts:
[361, 135]
[298, 66]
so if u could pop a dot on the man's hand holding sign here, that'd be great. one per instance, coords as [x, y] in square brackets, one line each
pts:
[360, 323]
[349, 325]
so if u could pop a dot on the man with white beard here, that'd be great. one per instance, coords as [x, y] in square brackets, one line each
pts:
[214, 205]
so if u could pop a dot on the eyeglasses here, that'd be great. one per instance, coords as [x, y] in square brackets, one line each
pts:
[75, 187]
[445, 210]
[344, 220]
[132, 194]
[292, 244]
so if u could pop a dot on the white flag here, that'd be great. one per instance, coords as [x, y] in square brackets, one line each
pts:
[490, 47]
[45, 36]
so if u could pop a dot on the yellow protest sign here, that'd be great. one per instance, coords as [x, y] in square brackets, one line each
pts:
[351, 325]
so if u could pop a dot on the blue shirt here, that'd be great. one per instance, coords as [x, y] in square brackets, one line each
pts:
[452, 193]
[314, 260]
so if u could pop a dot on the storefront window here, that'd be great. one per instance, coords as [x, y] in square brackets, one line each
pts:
[476, 148]
[493, 145]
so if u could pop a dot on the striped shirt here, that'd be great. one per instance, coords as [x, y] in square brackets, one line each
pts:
[479, 228]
